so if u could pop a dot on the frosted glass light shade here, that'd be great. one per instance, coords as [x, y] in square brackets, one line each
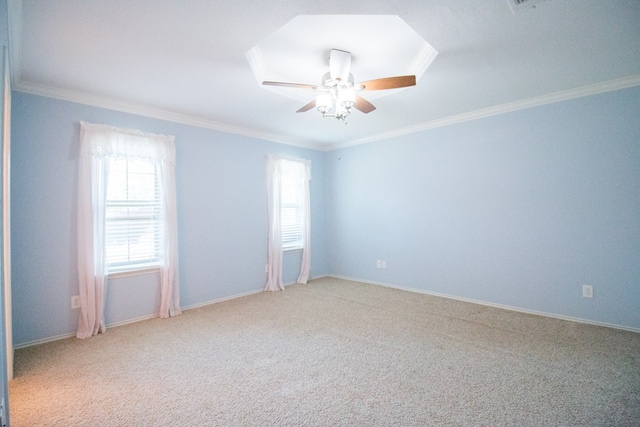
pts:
[323, 103]
[347, 98]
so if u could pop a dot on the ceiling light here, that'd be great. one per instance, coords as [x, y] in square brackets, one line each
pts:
[338, 90]
[347, 98]
[324, 103]
[336, 101]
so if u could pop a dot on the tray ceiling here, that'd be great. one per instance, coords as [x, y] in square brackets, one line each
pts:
[191, 62]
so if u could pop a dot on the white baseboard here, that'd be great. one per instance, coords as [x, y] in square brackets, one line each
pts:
[43, 340]
[490, 304]
[387, 285]
[151, 316]
[217, 300]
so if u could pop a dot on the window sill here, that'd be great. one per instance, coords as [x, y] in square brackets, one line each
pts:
[134, 272]
[292, 250]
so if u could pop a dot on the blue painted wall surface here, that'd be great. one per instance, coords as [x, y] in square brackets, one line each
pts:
[222, 214]
[4, 23]
[519, 209]
[4, 341]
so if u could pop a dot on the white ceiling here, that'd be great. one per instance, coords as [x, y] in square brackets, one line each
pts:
[383, 45]
[186, 60]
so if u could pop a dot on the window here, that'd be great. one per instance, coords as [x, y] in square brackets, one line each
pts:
[291, 205]
[289, 208]
[133, 215]
[127, 216]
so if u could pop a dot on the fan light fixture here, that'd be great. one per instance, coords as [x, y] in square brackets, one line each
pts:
[337, 102]
[338, 90]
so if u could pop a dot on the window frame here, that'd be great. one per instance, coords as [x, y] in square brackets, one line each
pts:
[292, 183]
[129, 266]
[292, 197]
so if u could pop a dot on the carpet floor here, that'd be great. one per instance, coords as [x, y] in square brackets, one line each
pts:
[334, 353]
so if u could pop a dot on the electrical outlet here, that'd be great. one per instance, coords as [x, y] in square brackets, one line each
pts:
[384, 264]
[378, 264]
[75, 301]
[587, 291]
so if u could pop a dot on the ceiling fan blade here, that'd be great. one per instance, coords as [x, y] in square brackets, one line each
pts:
[307, 107]
[339, 64]
[295, 85]
[363, 105]
[388, 83]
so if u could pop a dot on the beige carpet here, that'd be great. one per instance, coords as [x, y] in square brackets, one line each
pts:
[334, 353]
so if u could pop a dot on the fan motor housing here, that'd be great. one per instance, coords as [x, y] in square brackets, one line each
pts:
[328, 82]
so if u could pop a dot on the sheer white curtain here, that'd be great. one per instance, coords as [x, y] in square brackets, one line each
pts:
[99, 143]
[169, 290]
[274, 269]
[305, 264]
[275, 170]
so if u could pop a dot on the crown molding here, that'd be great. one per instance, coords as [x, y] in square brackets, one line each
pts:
[146, 111]
[111, 104]
[565, 95]
[261, 73]
[423, 60]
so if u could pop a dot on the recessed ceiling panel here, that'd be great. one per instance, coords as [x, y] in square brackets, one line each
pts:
[203, 64]
[380, 46]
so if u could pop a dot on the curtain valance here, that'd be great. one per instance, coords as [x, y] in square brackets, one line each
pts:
[108, 141]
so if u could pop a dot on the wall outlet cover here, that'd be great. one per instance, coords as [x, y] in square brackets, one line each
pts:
[75, 301]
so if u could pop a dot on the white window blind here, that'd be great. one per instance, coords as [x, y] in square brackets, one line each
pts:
[292, 182]
[133, 215]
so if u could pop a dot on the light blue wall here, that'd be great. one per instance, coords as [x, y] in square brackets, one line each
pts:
[222, 216]
[4, 23]
[519, 209]
[4, 340]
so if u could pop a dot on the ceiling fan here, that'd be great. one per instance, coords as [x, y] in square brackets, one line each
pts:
[338, 90]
